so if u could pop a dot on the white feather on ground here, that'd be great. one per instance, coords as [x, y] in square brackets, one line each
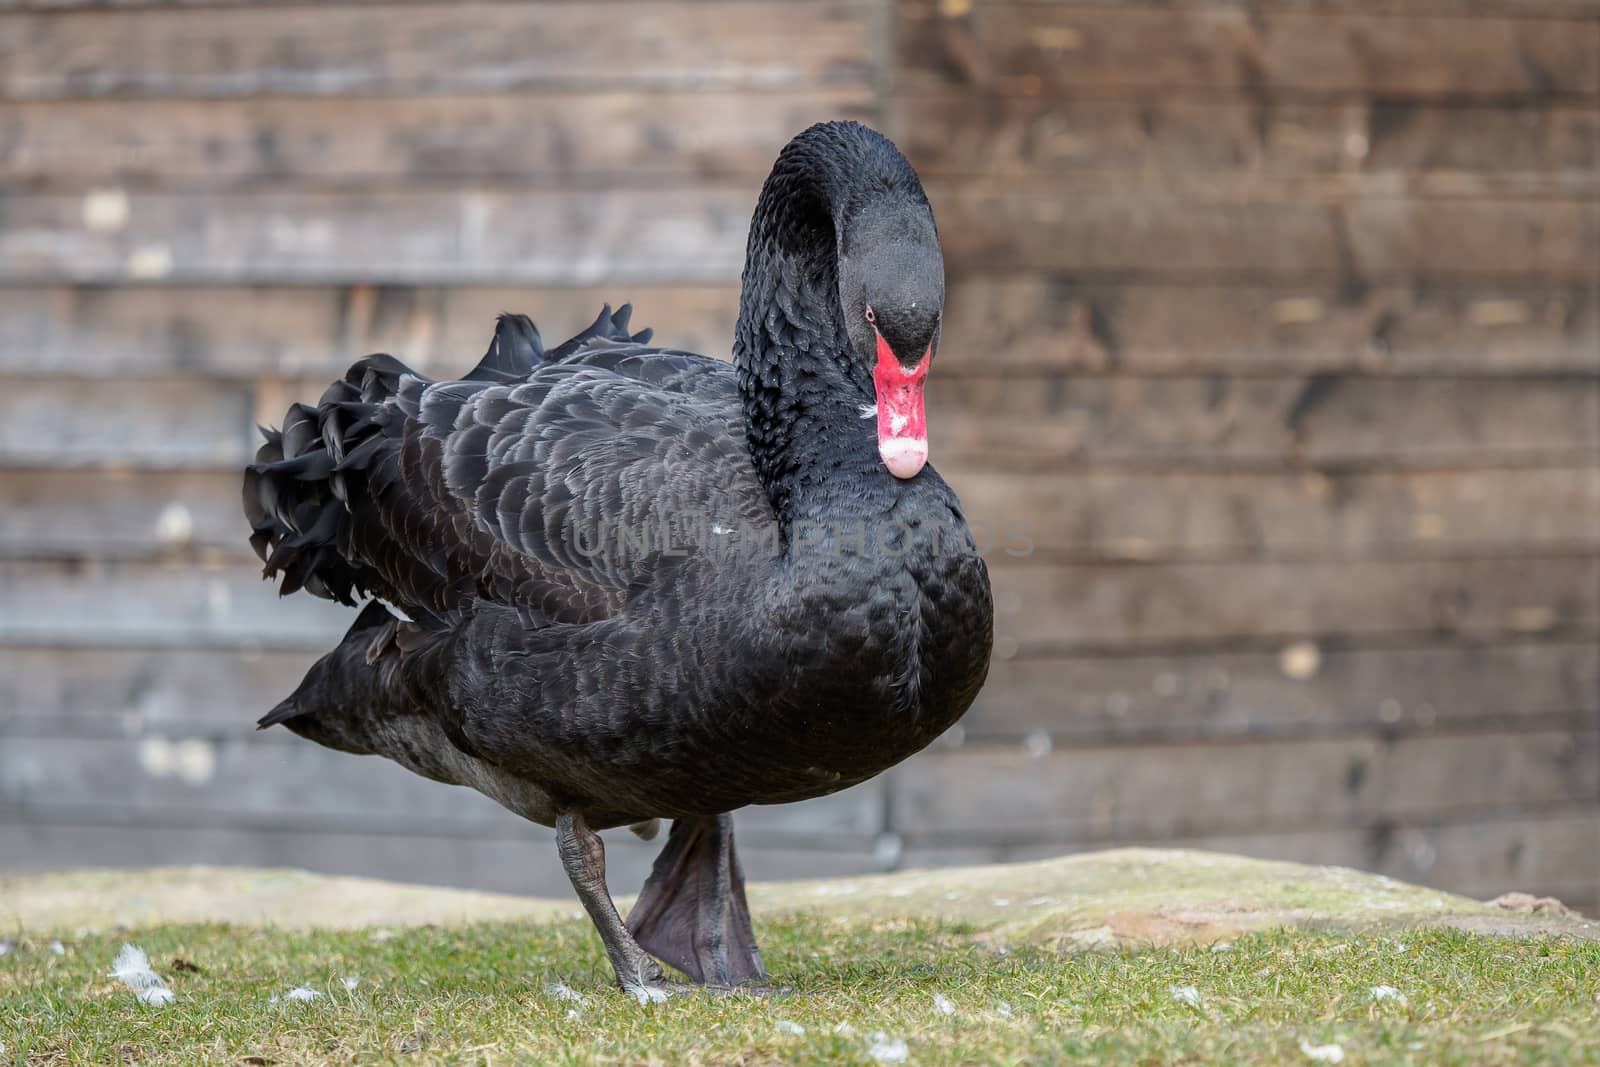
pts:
[299, 992]
[1187, 994]
[886, 1049]
[1322, 1053]
[562, 991]
[132, 969]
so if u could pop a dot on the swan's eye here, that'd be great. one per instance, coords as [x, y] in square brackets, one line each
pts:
[870, 316]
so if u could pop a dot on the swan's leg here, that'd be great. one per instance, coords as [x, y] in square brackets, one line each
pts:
[583, 854]
[692, 911]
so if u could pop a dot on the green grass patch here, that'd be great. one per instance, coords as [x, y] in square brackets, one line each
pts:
[481, 994]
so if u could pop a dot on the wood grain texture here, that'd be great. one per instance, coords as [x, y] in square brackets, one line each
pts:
[1411, 146]
[1078, 515]
[127, 693]
[1006, 323]
[1301, 689]
[1080, 607]
[1094, 225]
[435, 48]
[577, 235]
[1030, 423]
[1558, 9]
[524, 863]
[1147, 515]
[1161, 231]
[1024, 423]
[992, 325]
[174, 605]
[1040, 608]
[171, 423]
[309, 332]
[1381, 145]
[119, 513]
[1092, 793]
[1031, 48]
[274, 779]
[366, 142]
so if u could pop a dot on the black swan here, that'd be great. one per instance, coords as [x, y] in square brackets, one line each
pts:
[614, 583]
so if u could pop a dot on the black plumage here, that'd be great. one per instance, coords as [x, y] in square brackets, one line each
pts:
[633, 583]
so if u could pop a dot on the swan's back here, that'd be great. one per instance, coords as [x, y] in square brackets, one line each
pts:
[554, 482]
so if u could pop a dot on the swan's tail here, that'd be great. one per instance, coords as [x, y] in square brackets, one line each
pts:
[295, 493]
[358, 698]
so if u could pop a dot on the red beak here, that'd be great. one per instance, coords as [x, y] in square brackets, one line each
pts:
[902, 421]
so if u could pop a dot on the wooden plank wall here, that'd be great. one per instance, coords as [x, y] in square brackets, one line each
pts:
[1274, 326]
[1283, 328]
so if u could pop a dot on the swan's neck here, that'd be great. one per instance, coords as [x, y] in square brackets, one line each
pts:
[804, 392]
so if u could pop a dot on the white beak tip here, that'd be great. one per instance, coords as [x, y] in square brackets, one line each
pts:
[904, 456]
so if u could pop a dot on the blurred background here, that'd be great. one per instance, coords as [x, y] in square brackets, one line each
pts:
[1274, 323]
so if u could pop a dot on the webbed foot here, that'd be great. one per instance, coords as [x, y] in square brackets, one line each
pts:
[692, 912]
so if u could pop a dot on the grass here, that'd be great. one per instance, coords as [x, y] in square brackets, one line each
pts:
[480, 994]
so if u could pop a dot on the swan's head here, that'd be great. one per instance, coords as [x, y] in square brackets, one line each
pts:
[891, 288]
[841, 195]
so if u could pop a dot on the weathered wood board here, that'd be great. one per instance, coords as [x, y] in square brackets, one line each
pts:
[359, 142]
[1027, 422]
[1463, 148]
[436, 48]
[1039, 608]
[1558, 9]
[525, 862]
[1076, 515]
[1114, 228]
[275, 780]
[696, 234]
[1018, 422]
[1193, 515]
[1377, 146]
[1052, 321]
[1030, 48]
[1092, 606]
[312, 331]
[173, 423]
[63, 691]
[689, 234]
[1096, 793]
[994, 325]
[1302, 689]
